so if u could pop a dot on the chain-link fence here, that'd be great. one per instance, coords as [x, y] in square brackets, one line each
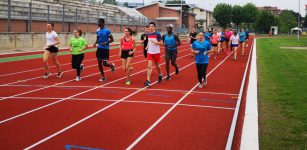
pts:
[28, 16]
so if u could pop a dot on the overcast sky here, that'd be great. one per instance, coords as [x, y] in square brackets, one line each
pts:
[210, 4]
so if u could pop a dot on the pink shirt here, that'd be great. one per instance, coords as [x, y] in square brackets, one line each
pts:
[215, 39]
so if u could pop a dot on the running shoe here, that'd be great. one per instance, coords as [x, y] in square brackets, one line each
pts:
[46, 75]
[78, 78]
[168, 78]
[147, 83]
[113, 67]
[128, 82]
[102, 79]
[177, 69]
[200, 85]
[60, 74]
[82, 67]
[160, 79]
[205, 83]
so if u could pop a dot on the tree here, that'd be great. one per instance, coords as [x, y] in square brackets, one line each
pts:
[222, 14]
[265, 21]
[287, 20]
[251, 13]
[305, 21]
[237, 15]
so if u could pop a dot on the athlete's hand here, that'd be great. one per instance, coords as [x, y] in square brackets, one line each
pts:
[94, 45]
[104, 43]
[131, 52]
[196, 52]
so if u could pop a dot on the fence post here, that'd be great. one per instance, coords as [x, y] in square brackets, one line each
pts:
[114, 21]
[63, 19]
[9, 16]
[88, 19]
[121, 22]
[76, 21]
[30, 17]
[48, 8]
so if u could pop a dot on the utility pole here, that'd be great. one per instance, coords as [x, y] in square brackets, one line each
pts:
[298, 20]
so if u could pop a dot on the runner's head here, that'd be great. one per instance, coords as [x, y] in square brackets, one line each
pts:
[101, 22]
[129, 32]
[50, 26]
[146, 30]
[200, 36]
[242, 30]
[152, 26]
[193, 29]
[77, 32]
[169, 28]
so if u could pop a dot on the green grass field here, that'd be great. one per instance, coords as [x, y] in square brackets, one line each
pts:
[282, 84]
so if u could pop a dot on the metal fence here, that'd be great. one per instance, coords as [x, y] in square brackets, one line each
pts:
[65, 13]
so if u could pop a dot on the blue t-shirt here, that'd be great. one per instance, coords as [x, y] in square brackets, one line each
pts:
[242, 36]
[207, 36]
[103, 36]
[170, 42]
[202, 47]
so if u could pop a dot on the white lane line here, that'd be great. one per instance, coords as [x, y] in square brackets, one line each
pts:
[95, 113]
[47, 105]
[124, 88]
[26, 71]
[236, 113]
[124, 101]
[170, 110]
[67, 81]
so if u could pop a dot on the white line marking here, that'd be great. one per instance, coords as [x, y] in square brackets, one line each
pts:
[97, 112]
[124, 101]
[111, 87]
[170, 110]
[33, 110]
[67, 82]
[25, 71]
[236, 113]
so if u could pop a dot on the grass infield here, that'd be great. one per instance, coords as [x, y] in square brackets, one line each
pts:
[282, 88]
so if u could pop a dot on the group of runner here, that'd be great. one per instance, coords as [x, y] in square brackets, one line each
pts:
[201, 44]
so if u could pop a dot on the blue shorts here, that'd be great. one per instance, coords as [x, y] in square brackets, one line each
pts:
[234, 45]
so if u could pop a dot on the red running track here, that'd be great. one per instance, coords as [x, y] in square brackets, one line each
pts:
[49, 114]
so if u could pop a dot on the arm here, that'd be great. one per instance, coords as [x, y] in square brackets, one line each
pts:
[96, 42]
[178, 42]
[120, 48]
[133, 47]
[57, 41]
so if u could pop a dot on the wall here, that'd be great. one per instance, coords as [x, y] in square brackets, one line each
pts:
[36, 41]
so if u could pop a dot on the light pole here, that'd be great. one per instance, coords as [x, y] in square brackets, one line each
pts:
[298, 20]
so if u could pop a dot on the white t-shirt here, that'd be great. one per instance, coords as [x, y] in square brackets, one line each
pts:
[153, 48]
[50, 37]
[234, 39]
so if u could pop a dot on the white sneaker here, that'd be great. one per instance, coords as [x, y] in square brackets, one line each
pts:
[200, 85]
[46, 75]
[205, 83]
[78, 78]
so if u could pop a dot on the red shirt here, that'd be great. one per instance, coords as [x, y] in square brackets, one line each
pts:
[127, 45]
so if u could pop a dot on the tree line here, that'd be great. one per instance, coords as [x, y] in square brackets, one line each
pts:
[248, 16]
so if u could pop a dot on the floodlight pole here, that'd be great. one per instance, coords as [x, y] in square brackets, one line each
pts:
[298, 21]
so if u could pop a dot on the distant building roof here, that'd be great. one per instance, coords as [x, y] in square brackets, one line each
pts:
[167, 18]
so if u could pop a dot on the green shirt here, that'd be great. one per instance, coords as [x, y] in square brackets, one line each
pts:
[77, 44]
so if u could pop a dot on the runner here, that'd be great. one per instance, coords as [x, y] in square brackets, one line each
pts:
[153, 52]
[77, 46]
[192, 38]
[207, 35]
[228, 34]
[242, 36]
[126, 52]
[234, 40]
[214, 42]
[171, 42]
[104, 38]
[51, 49]
[144, 40]
[201, 48]
[247, 37]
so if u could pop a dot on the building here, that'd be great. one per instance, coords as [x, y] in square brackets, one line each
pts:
[164, 14]
[305, 9]
[274, 10]
[203, 18]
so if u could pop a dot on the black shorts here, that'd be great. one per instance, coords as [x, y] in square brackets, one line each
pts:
[214, 45]
[52, 49]
[125, 54]
[76, 61]
[172, 55]
[102, 54]
[227, 40]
